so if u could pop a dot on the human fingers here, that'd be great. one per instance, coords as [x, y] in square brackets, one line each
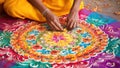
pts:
[51, 26]
[57, 26]
[57, 23]
[70, 23]
[54, 25]
[74, 25]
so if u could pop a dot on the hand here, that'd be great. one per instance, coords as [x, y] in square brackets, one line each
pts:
[72, 20]
[53, 21]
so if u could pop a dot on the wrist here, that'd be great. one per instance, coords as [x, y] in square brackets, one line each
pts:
[75, 10]
[44, 13]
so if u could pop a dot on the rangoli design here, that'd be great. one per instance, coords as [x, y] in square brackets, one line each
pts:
[94, 43]
[67, 46]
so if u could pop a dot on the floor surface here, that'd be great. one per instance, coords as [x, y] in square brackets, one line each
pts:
[106, 7]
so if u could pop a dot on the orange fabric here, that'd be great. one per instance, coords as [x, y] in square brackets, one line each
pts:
[1, 1]
[23, 9]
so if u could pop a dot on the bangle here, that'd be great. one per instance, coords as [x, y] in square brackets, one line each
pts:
[44, 12]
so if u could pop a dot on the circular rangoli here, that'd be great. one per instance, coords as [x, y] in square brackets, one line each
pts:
[94, 44]
[37, 42]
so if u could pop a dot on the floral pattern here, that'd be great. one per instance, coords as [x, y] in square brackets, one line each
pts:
[27, 44]
[66, 46]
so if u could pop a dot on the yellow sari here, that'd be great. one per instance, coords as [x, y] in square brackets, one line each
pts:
[23, 9]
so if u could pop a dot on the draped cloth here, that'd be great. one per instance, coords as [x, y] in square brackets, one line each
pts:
[23, 9]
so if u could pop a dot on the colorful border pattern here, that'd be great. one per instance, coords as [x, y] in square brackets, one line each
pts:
[107, 56]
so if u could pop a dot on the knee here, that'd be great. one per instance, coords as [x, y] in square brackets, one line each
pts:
[10, 11]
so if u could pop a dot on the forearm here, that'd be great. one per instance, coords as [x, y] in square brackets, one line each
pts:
[38, 4]
[51, 19]
[76, 5]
